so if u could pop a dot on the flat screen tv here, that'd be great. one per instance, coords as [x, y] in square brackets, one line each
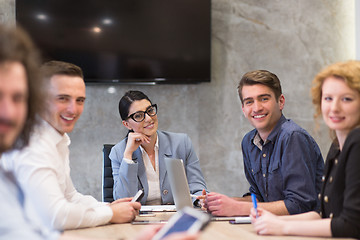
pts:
[124, 41]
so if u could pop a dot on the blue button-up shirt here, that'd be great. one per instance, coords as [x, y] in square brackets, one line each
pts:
[287, 166]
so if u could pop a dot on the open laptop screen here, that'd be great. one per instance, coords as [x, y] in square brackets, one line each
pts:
[178, 182]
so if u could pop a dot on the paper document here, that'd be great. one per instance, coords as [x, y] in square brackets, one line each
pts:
[158, 208]
[236, 219]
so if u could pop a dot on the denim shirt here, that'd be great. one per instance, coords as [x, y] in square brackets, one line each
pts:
[287, 167]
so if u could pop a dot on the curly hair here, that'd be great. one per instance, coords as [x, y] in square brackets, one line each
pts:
[349, 71]
[16, 46]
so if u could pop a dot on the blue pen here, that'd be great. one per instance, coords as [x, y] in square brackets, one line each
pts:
[253, 198]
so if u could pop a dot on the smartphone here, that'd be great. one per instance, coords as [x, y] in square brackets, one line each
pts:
[138, 196]
[186, 220]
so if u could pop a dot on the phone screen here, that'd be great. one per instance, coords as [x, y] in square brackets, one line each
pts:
[182, 224]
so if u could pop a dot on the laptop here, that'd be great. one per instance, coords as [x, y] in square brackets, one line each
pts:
[181, 192]
[178, 183]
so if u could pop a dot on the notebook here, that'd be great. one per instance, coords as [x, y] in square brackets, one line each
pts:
[178, 183]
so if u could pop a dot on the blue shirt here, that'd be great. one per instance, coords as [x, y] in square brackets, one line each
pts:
[288, 167]
[14, 219]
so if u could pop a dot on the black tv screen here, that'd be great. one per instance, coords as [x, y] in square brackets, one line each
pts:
[124, 41]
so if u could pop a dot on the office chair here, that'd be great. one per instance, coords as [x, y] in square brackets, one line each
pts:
[107, 178]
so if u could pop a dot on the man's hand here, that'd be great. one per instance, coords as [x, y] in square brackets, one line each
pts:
[220, 205]
[202, 200]
[124, 211]
[120, 200]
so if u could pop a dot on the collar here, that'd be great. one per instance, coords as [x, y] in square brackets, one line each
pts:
[272, 136]
[53, 134]
[156, 147]
[256, 139]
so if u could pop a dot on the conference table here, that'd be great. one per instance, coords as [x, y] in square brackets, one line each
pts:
[215, 230]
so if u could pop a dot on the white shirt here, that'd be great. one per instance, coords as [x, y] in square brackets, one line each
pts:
[152, 175]
[43, 172]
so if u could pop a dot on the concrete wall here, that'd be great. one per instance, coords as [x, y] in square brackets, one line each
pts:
[292, 38]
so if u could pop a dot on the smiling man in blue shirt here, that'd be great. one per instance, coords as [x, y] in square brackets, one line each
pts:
[282, 162]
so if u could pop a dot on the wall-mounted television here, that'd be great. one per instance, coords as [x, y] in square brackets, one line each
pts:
[124, 41]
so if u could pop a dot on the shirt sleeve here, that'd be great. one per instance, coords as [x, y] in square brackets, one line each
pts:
[348, 223]
[65, 208]
[124, 174]
[301, 161]
[74, 196]
[128, 161]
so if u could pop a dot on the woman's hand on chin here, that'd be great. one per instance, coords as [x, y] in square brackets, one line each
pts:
[133, 142]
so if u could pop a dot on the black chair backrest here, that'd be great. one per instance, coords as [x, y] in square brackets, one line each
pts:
[107, 180]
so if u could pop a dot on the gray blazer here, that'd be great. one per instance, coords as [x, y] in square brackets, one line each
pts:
[129, 178]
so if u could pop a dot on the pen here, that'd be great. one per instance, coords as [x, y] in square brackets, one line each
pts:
[253, 198]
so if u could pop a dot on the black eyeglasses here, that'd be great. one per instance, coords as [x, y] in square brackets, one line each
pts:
[140, 115]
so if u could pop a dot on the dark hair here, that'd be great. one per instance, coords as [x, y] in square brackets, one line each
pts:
[126, 101]
[52, 68]
[16, 46]
[263, 77]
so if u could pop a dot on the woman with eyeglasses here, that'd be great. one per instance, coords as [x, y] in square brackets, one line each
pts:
[138, 160]
[336, 95]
